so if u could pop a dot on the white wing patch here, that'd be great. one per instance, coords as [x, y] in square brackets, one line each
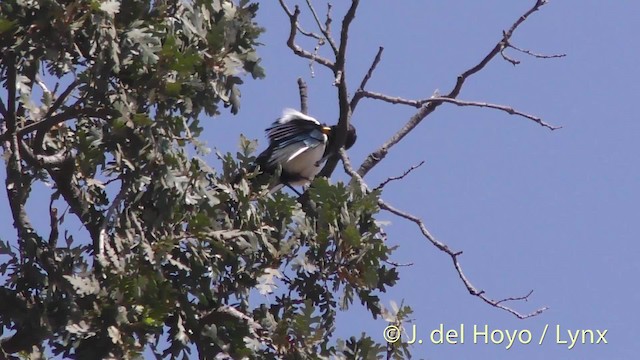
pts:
[290, 114]
[305, 164]
[300, 151]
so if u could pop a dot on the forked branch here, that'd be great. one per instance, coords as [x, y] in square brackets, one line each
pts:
[291, 41]
[425, 109]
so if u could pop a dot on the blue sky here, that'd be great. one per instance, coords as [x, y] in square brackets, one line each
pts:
[555, 212]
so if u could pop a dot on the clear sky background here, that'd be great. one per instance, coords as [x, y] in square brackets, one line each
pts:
[554, 212]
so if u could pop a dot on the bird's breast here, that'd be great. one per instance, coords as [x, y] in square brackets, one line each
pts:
[305, 165]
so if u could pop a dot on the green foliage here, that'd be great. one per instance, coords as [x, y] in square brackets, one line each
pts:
[105, 106]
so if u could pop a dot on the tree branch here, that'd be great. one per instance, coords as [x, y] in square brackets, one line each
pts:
[440, 99]
[16, 184]
[394, 178]
[454, 257]
[71, 192]
[506, 36]
[508, 109]
[343, 92]
[539, 56]
[70, 113]
[293, 19]
[323, 29]
[61, 99]
[45, 161]
[426, 109]
[304, 96]
[442, 247]
[358, 95]
[18, 188]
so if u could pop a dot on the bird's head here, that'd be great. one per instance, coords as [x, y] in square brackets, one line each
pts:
[351, 137]
[349, 141]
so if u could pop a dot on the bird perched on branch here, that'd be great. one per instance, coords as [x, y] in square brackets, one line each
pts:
[298, 145]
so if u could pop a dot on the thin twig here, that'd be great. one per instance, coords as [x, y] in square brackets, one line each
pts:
[442, 99]
[394, 178]
[539, 56]
[393, 263]
[328, 20]
[310, 34]
[372, 68]
[508, 109]
[323, 29]
[509, 59]
[356, 98]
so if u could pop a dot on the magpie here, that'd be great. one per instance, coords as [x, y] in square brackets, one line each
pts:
[298, 145]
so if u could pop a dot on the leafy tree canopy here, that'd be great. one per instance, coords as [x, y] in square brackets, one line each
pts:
[102, 100]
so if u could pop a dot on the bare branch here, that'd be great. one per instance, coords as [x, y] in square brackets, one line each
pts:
[302, 87]
[393, 178]
[344, 35]
[508, 109]
[391, 99]
[293, 19]
[506, 36]
[539, 56]
[356, 98]
[329, 20]
[348, 168]
[454, 257]
[375, 157]
[441, 99]
[343, 92]
[516, 298]
[393, 263]
[310, 34]
[442, 247]
[372, 68]
[425, 110]
[323, 29]
[513, 61]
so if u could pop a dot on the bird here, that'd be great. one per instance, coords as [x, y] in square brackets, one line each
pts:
[298, 146]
